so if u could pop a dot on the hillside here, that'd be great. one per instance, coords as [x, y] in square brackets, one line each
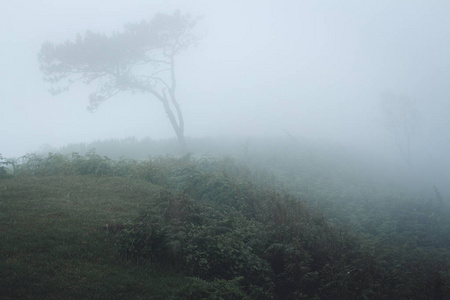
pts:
[86, 226]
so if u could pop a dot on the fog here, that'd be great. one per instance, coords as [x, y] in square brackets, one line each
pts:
[310, 69]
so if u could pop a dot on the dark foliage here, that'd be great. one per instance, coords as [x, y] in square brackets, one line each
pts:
[240, 236]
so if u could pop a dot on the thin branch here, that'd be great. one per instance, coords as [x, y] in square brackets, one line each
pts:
[158, 61]
[152, 75]
[162, 81]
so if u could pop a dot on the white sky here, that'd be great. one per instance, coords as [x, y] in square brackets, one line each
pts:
[314, 68]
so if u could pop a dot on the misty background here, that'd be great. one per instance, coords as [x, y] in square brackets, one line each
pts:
[308, 69]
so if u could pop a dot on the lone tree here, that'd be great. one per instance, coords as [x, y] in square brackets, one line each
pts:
[401, 119]
[140, 59]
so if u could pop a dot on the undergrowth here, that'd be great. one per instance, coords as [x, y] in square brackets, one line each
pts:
[230, 232]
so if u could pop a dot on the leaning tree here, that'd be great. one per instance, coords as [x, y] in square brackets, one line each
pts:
[140, 59]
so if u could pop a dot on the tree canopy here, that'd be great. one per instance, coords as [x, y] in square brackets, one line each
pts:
[139, 59]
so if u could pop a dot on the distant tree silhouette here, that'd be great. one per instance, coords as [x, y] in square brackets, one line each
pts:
[141, 59]
[401, 119]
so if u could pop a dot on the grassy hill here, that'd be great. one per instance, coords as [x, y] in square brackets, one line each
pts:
[84, 226]
[55, 242]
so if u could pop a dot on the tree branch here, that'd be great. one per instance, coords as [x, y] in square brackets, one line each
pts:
[115, 62]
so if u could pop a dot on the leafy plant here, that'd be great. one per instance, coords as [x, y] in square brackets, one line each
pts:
[216, 289]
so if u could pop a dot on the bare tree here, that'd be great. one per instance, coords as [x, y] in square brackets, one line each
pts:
[141, 59]
[401, 119]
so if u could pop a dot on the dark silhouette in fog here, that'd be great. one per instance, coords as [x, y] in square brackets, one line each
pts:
[401, 119]
[139, 59]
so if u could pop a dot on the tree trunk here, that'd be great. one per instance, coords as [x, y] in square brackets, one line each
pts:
[178, 127]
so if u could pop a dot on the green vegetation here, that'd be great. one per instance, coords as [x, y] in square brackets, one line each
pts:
[85, 226]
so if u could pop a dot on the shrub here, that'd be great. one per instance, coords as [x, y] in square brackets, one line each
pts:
[217, 289]
[219, 226]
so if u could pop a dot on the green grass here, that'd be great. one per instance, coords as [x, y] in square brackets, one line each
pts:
[54, 243]
[87, 227]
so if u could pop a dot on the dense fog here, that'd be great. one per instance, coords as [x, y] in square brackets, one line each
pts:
[316, 70]
[290, 149]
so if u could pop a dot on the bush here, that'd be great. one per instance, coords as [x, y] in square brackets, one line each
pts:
[217, 289]
[5, 172]
[217, 221]
[222, 227]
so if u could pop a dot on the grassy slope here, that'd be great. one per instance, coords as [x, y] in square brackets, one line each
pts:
[407, 237]
[54, 245]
